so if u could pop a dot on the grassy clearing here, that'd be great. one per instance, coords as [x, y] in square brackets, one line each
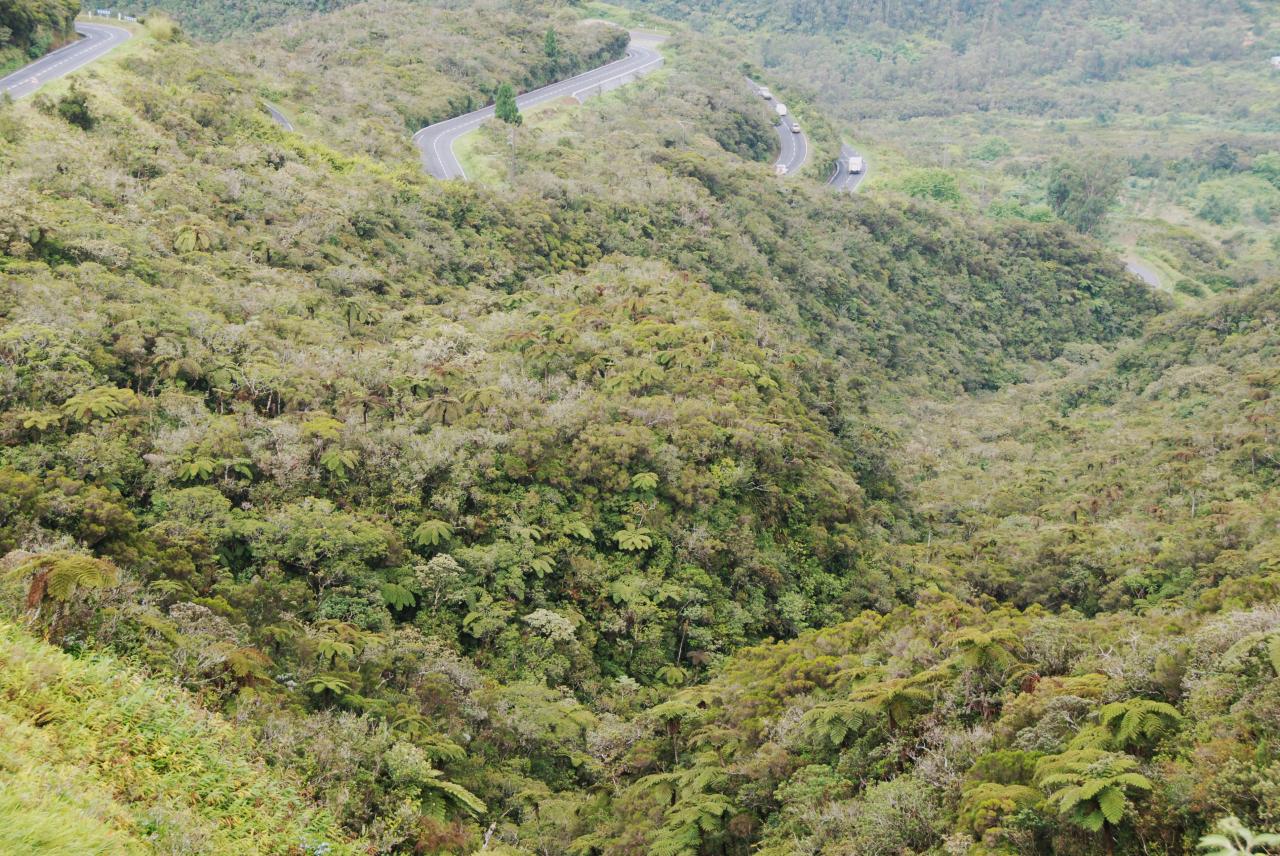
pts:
[482, 157]
[484, 153]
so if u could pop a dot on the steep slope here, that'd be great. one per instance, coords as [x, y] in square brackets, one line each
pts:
[1174, 103]
[1147, 477]
[96, 759]
[433, 485]
[1144, 485]
[367, 77]
[940, 729]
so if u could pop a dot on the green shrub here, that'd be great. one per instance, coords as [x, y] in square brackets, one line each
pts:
[74, 107]
[937, 184]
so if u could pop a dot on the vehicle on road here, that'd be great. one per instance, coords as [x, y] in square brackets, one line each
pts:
[766, 94]
[795, 127]
[781, 108]
[856, 165]
[780, 169]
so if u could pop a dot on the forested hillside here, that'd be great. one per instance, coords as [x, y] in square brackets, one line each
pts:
[368, 77]
[630, 502]
[217, 19]
[1167, 111]
[81, 742]
[1103, 565]
[29, 28]
[1148, 478]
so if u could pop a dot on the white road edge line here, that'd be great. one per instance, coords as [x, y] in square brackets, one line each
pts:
[449, 131]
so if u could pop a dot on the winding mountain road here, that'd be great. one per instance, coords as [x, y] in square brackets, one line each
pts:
[793, 152]
[96, 41]
[435, 142]
[793, 146]
[1144, 272]
[842, 179]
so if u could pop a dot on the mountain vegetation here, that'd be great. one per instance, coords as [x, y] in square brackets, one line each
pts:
[1120, 707]
[224, 18]
[366, 78]
[98, 759]
[1174, 102]
[29, 28]
[629, 501]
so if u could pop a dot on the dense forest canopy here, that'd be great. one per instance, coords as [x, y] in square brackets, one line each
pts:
[625, 501]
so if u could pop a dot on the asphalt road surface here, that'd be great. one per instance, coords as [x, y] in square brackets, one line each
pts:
[278, 117]
[842, 179]
[1143, 272]
[435, 142]
[96, 40]
[793, 148]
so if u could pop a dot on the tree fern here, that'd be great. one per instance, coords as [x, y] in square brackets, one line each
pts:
[832, 723]
[576, 528]
[328, 684]
[339, 462]
[397, 596]
[195, 469]
[439, 795]
[644, 481]
[61, 575]
[634, 539]
[432, 533]
[104, 402]
[1091, 788]
[688, 826]
[192, 238]
[1137, 723]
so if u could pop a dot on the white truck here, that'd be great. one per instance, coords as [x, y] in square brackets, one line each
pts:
[856, 166]
[781, 108]
[766, 94]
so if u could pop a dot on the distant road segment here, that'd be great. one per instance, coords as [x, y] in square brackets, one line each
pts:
[842, 179]
[793, 146]
[435, 142]
[278, 117]
[96, 40]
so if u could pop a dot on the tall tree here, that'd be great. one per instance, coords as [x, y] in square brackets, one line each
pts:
[551, 46]
[506, 109]
[1081, 190]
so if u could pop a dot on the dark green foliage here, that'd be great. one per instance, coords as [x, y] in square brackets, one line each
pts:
[504, 106]
[936, 184]
[29, 28]
[74, 108]
[1081, 190]
[483, 507]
